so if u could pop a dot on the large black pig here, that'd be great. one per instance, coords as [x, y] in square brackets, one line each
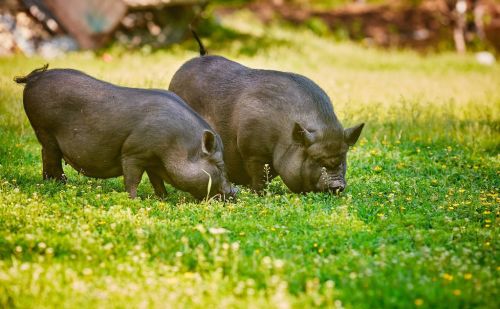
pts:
[268, 117]
[104, 131]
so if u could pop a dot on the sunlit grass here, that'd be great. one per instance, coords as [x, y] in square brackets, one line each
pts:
[417, 225]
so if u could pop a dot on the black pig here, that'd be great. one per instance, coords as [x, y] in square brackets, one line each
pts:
[268, 117]
[104, 131]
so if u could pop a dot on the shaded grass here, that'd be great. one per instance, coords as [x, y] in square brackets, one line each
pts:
[417, 225]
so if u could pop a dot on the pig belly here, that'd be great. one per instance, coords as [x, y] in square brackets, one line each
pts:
[110, 171]
[98, 160]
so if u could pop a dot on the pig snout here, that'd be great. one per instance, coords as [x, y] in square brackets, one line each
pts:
[336, 186]
[331, 182]
[229, 193]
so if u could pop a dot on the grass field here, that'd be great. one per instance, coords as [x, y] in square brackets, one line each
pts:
[416, 227]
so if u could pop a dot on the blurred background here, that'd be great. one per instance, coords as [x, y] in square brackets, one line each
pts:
[52, 27]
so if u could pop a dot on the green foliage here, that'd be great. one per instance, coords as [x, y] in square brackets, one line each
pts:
[417, 225]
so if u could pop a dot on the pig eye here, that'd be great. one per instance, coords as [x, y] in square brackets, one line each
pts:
[332, 164]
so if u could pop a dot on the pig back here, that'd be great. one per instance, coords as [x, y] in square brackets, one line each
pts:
[92, 120]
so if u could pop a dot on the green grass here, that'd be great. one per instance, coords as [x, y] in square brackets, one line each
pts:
[417, 225]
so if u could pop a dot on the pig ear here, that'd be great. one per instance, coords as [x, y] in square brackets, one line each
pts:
[302, 136]
[208, 142]
[351, 135]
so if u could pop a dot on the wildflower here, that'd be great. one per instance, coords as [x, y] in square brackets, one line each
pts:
[217, 230]
[457, 292]
[377, 168]
[419, 302]
[279, 264]
[467, 276]
[19, 249]
[266, 261]
[447, 277]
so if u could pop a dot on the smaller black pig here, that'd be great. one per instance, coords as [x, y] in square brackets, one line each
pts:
[105, 131]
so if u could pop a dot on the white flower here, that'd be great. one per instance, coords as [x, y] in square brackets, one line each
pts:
[217, 230]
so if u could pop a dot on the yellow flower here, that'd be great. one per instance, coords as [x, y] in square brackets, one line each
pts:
[419, 302]
[377, 168]
[467, 276]
[457, 292]
[447, 277]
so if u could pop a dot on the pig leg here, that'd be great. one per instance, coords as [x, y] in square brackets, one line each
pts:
[51, 157]
[132, 174]
[157, 183]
